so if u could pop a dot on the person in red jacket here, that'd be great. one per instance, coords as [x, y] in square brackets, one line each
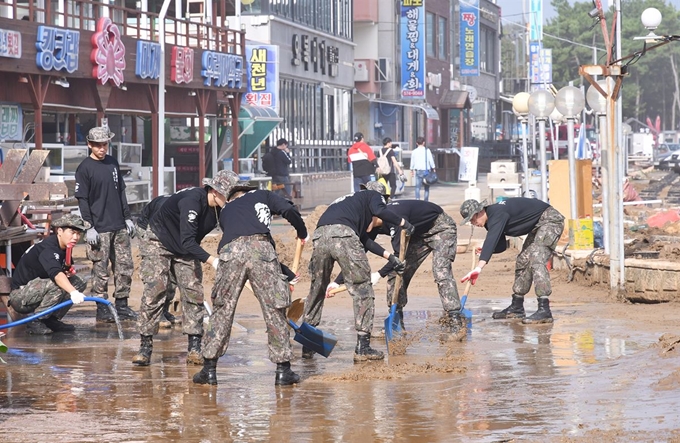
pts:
[363, 161]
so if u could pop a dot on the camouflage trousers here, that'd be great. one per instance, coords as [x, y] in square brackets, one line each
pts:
[142, 235]
[441, 240]
[158, 264]
[40, 294]
[338, 243]
[116, 248]
[539, 245]
[249, 258]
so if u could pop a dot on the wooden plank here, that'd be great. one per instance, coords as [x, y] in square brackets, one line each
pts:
[8, 211]
[11, 165]
[31, 168]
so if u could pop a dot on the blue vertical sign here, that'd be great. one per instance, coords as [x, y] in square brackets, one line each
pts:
[412, 26]
[263, 76]
[469, 38]
[536, 20]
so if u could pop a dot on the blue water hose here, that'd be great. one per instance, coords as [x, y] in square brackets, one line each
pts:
[51, 310]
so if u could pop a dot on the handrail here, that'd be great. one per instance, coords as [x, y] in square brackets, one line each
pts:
[83, 15]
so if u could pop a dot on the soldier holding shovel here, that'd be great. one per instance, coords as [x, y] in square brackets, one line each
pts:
[543, 226]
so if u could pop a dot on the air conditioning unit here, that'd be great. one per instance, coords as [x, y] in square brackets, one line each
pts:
[360, 71]
[383, 70]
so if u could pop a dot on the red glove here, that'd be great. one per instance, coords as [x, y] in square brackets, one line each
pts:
[472, 275]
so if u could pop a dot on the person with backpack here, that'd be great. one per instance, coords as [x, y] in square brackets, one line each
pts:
[422, 162]
[388, 166]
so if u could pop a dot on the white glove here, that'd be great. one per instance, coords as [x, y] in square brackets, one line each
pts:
[92, 236]
[130, 226]
[216, 263]
[375, 278]
[329, 288]
[77, 297]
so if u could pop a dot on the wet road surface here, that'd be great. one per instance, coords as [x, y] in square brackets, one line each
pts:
[506, 382]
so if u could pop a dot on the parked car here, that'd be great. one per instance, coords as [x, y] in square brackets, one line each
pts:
[666, 156]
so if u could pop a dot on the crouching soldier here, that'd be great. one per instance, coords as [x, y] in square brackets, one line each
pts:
[173, 246]
[42, 278]
[247, 253]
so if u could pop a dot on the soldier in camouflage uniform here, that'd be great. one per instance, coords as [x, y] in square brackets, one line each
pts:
[247, 253]
[435, 232]
[172, 246]
[167, 319]
[543, 226]
[341, 236]
[42, 278]
[100, 191]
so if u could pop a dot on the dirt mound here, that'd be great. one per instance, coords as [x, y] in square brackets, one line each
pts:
[668, 343]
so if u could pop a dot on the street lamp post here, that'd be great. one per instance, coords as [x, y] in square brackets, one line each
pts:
[520, 104]
[541, 105]
[570, 101]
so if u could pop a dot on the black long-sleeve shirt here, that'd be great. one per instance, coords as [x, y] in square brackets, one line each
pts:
[514, 217]
[100, 191]
[150, 209]
[357, 211]
[183, 221]
[251, 214]
[42, 260]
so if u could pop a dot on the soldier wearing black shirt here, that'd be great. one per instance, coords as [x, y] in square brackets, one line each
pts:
[435, 232]
[543, 226]
[340, 236]
[100, 191]
[247, 253]
[173, 240]
[43, 280]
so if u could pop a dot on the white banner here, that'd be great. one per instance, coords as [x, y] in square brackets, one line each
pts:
[467, 171]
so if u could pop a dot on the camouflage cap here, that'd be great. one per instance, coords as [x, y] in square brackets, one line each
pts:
[471, 207]
[99, 134]
[375, 186]
[71, 221]
[226, 183]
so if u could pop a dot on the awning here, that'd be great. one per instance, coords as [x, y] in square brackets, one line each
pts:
[430, 112]
[455, 100]
[255, 124]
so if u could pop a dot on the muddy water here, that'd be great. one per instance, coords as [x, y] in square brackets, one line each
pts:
[575, 380]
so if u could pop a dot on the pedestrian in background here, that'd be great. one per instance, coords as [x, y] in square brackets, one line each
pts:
[542, 224]
[247, 252]
[173, 246]
[387, 151]
[100, 191]
[43, 279]
[277, 164]
[422, 162]
[363, 161]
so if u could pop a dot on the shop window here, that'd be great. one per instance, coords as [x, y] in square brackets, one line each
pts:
[442, 38]
[430, 36]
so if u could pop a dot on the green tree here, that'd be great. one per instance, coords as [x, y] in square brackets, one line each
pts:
[650, 88]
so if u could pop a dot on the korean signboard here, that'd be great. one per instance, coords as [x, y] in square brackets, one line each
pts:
[10, 44]
[412, 30]
[536, 20]
[469, 38]
[263, 76]
[467, 171]
[11, 124]
[540, 64]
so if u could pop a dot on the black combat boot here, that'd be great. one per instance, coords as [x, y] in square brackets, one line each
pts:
[364, 351]
[104, 314]
[207, 375]
[143, 357]
[452, 322]
[285, 375]
[307, 353]
[515, 310]
[124, 312]
[38, 327]
[194, 356]
[58, 326]
[543, 315]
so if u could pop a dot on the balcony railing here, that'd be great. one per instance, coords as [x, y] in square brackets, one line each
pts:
[83, 15]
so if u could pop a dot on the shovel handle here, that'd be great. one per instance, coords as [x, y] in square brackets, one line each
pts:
[403, 244]
[468, 285]
[298, 255]
[340, 288]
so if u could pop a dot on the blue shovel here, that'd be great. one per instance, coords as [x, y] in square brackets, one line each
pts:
[313, 338]
[467, 314]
